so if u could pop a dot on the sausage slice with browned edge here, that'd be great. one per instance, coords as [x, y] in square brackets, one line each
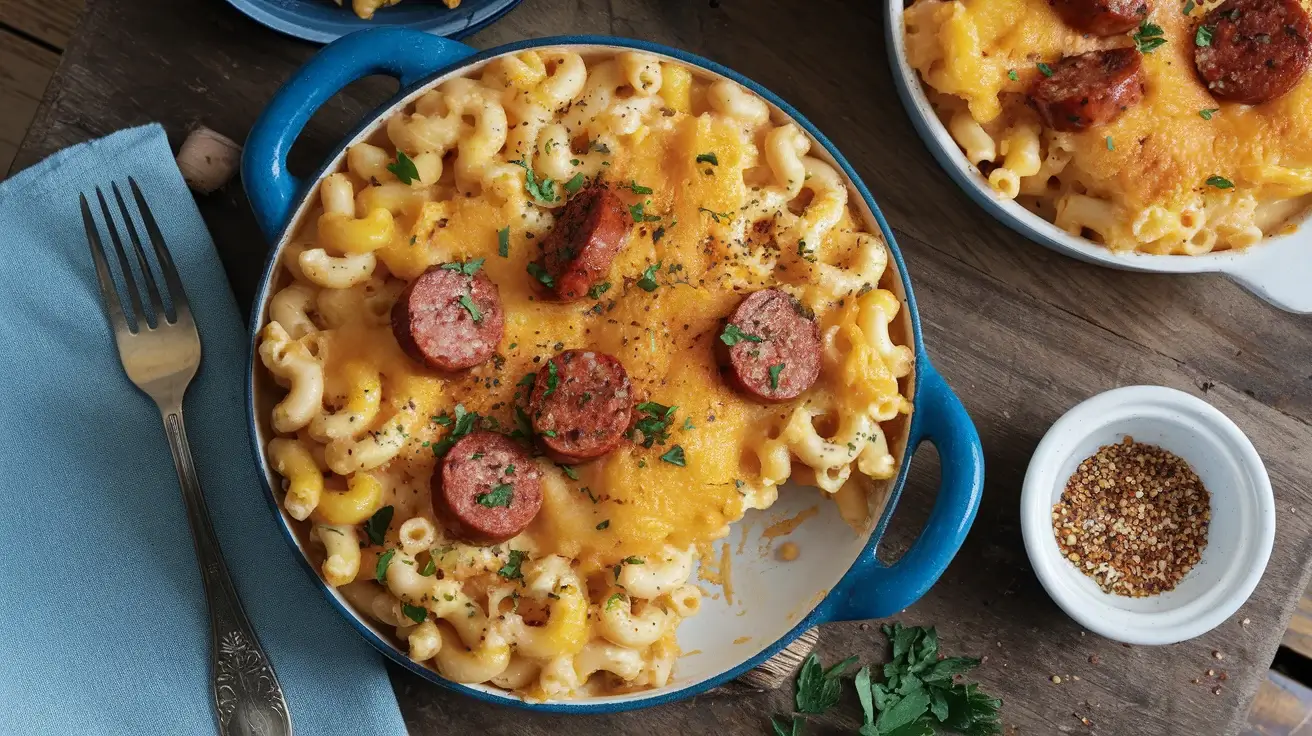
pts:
[487, 488]
[1254, 50]
[1089, 89]
[581, 405]
[590, 230]
[1102, 17]
[447, 319]
[771, 346]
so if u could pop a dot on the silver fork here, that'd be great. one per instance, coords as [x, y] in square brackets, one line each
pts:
[161, 356]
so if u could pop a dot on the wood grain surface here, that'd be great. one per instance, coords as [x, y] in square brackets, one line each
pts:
[1021, 333]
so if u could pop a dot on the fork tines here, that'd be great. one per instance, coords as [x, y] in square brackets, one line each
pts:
[139, 319]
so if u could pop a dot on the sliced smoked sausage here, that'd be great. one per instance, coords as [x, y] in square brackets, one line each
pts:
[1089, 89]
[449, 320]
[1255, 51]
[770, 346]
[1102, 17]
[577, 252]
[581, 404]
[487, 488]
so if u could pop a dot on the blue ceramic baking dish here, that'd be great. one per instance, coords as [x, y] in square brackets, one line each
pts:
[322, 21]
[837, 577]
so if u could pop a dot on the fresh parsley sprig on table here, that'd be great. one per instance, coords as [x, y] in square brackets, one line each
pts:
[919, 695]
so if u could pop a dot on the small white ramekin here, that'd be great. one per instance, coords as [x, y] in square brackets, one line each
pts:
[1243, 513]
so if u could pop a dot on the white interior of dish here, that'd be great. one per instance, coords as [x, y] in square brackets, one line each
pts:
[770, 597]
[1242, 506]
[1278, 269]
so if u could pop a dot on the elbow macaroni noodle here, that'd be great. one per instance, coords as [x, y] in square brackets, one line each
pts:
[589, 599]
[1178, 173]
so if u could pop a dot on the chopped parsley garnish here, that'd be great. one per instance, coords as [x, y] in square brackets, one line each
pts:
[503, 241]
[657, 234]
[598, 289]
[1012, 75]
[543, 191]
[510, 570]
[384, 561]
[655, 427]
[775, 370]
[614, 600]
[588, 492]
[528, 380]
[470, 307]
[418, 614]
[574, 184]
[1044, 69]
[553, 379]
[1220, 182]
[468, 268]
[404, 168]
[510, 469]
[540, 273]
[687, 424]
[1110, 145]
[674, 456]
[603, 525]
[733, 334]
[1148, 37]
[818, 688]
[638, 213]
[648, 280]
[717, 216]
[636, 188]
[430, 568]
[500, 497]
[1207, 113]
[708, 158]
[376, 527]
[634, 561]
[548, 433]
[600, 147]
[1189, 7]
[464, 424]
[1204, 36]
[570, 472]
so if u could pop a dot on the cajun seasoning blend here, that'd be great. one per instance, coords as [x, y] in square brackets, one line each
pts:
[1133, 517]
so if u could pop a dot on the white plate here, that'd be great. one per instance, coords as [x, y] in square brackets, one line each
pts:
[1279, 269]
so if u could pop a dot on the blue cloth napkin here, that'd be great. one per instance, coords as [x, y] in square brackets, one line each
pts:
[103, 624]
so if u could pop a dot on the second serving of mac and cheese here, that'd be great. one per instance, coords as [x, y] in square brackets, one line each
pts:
[548, 332]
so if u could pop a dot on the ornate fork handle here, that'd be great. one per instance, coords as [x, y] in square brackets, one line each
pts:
[247, 696]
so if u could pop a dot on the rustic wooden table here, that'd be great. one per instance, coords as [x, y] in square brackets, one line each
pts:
[1022, 333]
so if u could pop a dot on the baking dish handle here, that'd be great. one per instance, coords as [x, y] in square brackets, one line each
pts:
[1278, 272]
[872, 589]
[403, 54]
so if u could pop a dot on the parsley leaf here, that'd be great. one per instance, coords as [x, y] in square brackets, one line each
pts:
[1207, 113]
[708, 158]
[1012, 75]
[1189, 7]
[574, 184]
[470, 307]
[553, 379]
[418, 614]
[430, 568]
[717, 216]
[687, 424]
[511, 571]
[1220, 182]
[404, 168]
[634, 561]
[1110, 145]
[733, 334]
[543, 191]
[819, 689]
[648, 281]
[1204, 36]
[500, 497]
[503, 241]
[603, 525]
[468, 268]
[779, 730]
[674, 456]
[528, 380]
[638, 213]
[384, 561]
[636, 188]
[775, 370]
[570, 472]
[464, 424]
[655, 427]
[657, 234]
[1148, 37]
[540, 273]
[598, 289]
[614, 600]
[376, 527]
[1044, 69]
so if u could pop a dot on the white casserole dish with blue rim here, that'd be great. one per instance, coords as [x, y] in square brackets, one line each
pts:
[1278, 269]
[837, 577]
